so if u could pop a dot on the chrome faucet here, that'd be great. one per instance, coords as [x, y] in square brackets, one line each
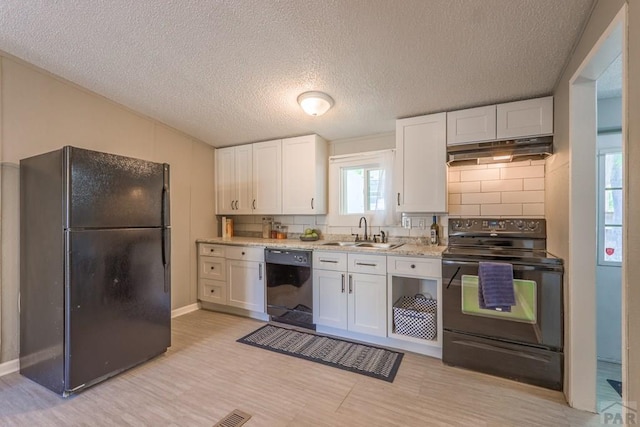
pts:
[365, 237]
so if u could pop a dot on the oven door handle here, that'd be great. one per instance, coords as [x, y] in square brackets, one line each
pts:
[516, 267]
[453, 277]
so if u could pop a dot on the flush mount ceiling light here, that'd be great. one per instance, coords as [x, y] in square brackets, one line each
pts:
[315, 103]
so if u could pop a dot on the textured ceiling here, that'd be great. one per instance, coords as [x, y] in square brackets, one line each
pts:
[229, 72]
[609, 84]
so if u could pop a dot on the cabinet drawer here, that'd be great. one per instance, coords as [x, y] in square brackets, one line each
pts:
[370, 264]
[414, 266]
[212, 268]
[207, 249]
[212, 291]
[335, 261]
[245, 253]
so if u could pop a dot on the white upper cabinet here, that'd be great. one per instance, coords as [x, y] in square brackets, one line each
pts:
[244, 179]
[471, 125]
[226, 180]
[532, 117]
[234, 175]
[267, 177]
[304, 175]
[421, 169]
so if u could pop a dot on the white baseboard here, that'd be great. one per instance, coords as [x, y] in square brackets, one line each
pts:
[9, 367]
[184, 310]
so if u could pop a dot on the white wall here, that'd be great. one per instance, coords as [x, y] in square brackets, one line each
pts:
[609, 114]
[41, 113]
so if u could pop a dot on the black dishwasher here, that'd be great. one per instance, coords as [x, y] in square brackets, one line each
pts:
[289, 286]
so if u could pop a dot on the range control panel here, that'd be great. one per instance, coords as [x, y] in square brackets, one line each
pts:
[493, 225]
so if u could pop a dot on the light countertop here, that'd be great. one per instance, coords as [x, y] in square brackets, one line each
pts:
[408, 249]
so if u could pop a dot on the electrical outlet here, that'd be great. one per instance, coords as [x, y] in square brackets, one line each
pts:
[406, 222]
[422, 223]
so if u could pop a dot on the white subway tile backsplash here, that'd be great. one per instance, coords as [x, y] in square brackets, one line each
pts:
[464, 210]
[533, 209]
[455, 198]
[454, 176]
[533, 184]
[304, 219]
[523, 172]
[501, 185]
[523, 197]
[464, 187]
[518, 164]
[480, 174]
[504, 209]
[480, 198]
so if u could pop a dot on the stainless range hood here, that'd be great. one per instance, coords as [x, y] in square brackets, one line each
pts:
[500, 151]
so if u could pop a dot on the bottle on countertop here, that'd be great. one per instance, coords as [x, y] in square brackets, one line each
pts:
[434, 235]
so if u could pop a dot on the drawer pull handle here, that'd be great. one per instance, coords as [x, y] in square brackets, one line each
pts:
[366, 264]
[413, 266]
[332, 261]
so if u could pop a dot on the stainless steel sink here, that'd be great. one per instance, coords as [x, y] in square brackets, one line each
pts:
[379, 245]
[368, 245]
[339, 244]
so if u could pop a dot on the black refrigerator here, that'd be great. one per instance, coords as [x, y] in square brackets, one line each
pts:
[95, 288]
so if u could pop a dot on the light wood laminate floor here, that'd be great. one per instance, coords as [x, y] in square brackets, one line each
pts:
[206, 374]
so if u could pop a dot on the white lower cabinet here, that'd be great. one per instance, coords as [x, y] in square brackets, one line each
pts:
[246, 285]
[232, 275]
[367, 304]
[353, 301]
[329, 298]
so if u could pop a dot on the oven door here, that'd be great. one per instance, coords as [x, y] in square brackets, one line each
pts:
[536, 319]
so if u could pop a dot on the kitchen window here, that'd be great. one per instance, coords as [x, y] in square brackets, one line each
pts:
[360, 185]
[610, 206]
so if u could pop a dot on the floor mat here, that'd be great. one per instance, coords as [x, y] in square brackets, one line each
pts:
[617, 386]
[363, 359]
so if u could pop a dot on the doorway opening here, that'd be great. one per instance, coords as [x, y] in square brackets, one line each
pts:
[596, 219]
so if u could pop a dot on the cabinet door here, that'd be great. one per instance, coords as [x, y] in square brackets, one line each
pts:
[304, 175]
[330, 298]
[471, 125]
[421, 169]
[532, 117]
[267, 177]
[367, 304]
[226, 185]
[246, 285]
[244, 178]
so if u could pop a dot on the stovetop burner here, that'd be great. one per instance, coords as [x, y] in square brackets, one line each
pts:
[518, 240]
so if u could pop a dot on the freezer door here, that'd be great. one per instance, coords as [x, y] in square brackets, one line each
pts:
[109, 191]
[118, 308]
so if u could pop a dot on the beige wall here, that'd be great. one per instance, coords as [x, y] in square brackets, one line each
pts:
[632, 290]
[41, 113]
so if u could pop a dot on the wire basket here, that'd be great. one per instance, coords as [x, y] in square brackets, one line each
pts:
[416, 316]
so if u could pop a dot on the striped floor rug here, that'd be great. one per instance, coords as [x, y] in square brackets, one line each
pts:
[363, 359]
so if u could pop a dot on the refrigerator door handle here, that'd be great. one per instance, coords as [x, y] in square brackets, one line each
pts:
[166, 198]
[166, 256]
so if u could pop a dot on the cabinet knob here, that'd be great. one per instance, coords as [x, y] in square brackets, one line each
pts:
[212, 290]
[242, 253]
[212, 250]
[413, 266]
[213, 268]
